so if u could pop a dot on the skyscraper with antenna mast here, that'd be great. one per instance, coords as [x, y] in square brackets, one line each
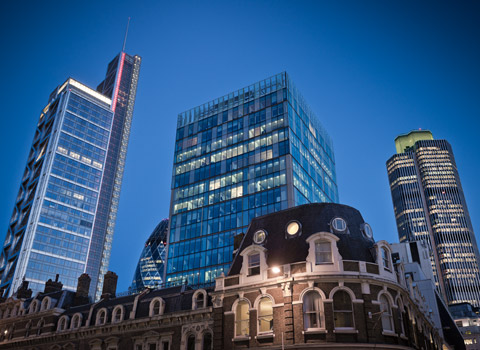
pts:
[64, 215]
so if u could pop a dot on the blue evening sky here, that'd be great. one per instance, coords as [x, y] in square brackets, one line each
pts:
[369, 69]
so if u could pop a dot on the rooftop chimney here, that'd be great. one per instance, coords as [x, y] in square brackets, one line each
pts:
[23, 292]
[53, 286]
[109, 285]
[83, 286]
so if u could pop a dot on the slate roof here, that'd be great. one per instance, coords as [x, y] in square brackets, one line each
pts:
[314, 218]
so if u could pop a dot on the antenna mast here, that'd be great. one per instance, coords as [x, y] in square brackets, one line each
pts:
[126, 33]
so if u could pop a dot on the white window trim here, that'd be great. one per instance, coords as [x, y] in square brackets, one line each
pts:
[97, 318]
[253, 249]
[322, 311]
[162, 306]
[78, 316]
[195, 296]
[115, 311]
[234, 310]
[66, 318]
[46, 303]
[391, 304]
[256, 306]
[33, 306]
[335, 265]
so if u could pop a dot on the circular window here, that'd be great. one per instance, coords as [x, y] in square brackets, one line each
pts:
[293, 228]
[367, 230]
[259, 236]
[339, 225]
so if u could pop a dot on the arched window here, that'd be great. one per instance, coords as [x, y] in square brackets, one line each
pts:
[385, 258]
[117, 314]
[265, 315]
[386, 309]
[191, 342]
[33, 307]
[27, 328]
[254, 264]
[242, 319]
[312, 310]
[199, 300]
[45, 304]
[101, 317]
[207, 341]
[40, 325]
[76, 321]
[401, 320]
[156, 307]
[323, 252]
[14, 311]
[62, 324]
[342, 310]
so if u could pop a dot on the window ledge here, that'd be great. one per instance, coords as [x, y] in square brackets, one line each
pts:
[324, 263]
[390, 333]
[345, 330]
[315, 331]
[265, 335]
[241, 338]
[403, 336]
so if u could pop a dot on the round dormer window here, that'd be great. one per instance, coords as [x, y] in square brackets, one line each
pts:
[259, 236]
[293, 228]
[339, 225]
[367, 230]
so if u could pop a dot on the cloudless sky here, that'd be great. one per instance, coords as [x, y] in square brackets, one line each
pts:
[370, 70]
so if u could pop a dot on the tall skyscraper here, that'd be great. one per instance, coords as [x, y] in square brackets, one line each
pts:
[429, 205]
[249, 153]
[64, 215]
[151, 265]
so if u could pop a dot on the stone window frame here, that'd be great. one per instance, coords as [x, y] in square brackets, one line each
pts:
[253, 249]
[335, 265]
[353, 300]
[161, 308]
[195, 300]
[256, 306]
[65, 319]
[104, 311]
[321, 312]
[383, 246]
[187, 338]
[116, 310]
[111, 343]
[206, 331]
[34, 306]
[391, 305]
[46, 304]
[152, 337]
[40, 326]
[77, 316]
[234, 310]
[401, 317]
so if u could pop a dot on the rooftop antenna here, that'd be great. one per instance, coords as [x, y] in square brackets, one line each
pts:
[126, 33]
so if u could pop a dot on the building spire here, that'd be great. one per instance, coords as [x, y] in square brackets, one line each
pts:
[126, 33]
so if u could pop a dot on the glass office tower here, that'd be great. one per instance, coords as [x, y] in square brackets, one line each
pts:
[429, 205]
[64, 214]
[249, 153]
[151, 265]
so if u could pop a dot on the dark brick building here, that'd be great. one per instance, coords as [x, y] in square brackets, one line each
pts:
[310, 277]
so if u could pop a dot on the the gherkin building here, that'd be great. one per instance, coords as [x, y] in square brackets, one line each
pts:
[151, 265]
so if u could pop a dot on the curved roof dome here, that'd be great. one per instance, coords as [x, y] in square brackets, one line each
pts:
[353, 243]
